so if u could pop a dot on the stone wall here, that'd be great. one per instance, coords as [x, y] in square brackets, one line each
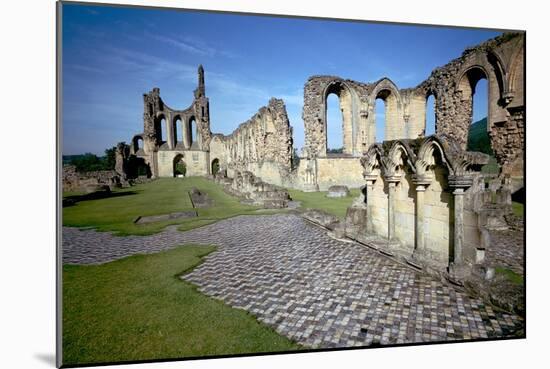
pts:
[422, 202]
[262, 145]
[500, 61]
[353, 105]
[174, 131]
[74, 181]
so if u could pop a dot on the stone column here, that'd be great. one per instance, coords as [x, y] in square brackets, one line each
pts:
[369, 188]
[184, 132]
[459, 184]
[169, 131]
[421, 185]
[392, 182]
[458, 194]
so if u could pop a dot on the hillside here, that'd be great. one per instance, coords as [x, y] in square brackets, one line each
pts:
[478, 138]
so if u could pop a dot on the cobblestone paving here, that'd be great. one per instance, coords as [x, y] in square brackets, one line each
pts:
[309, 287]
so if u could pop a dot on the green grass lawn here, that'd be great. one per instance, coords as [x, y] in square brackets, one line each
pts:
[318, 200]
[166, 195]
[137, 308]
[510, 275]
[517, 208]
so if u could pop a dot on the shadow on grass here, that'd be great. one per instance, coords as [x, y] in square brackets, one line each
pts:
[72, 200]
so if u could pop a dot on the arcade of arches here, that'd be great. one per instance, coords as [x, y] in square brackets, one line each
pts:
[425, 196]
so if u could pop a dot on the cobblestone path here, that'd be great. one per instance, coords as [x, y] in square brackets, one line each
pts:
[309, 287]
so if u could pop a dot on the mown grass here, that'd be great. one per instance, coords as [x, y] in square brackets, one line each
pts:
[517, 208]
[117, 212]
[137, 308]
[510, 275]
[319, 200]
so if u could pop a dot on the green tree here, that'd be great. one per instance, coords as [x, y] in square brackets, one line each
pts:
[109, 159]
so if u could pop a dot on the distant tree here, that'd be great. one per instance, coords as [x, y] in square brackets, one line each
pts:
[339, 150]
[180, 168]
[87, 162]
[109, 159]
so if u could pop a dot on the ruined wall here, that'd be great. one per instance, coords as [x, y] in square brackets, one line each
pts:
[175, 131]
[422, 201]
[262, 145]
[196, 162]
[353, 104]
[89, 181]
[500, 62]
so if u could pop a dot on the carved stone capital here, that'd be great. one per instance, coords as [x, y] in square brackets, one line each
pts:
[392, 178]
[460, 182]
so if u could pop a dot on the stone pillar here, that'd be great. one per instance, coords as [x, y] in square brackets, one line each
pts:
[369, 188]
[392, 182]
[421, 185]
[458, 194]
[169, 131]
[459, 184]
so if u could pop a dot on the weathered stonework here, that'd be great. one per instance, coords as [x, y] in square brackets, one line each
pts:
[161, 144]
[499, 60]
[253, 190]
[74, 181]
[425, 202]
[261, 145]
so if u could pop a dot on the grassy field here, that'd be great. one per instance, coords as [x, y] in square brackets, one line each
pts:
[517, 208]
[138, 309]
[511, 275]
[118, 211]
[166, 195]
[318, 200]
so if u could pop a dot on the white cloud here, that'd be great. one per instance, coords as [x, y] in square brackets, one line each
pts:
[193, 45]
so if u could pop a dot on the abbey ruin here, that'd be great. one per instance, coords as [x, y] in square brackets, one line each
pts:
[423, 199]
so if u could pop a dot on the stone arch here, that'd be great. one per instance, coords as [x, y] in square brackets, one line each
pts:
[178, 165]
[372, 160]
[161, 129]
[431, 152]
[515, 75]
[215, 166]
[430, 92]
[400, 159]
[434, 168]
[400, 169]
[136, 147]
[192, 134]
[467, 84]
[377, 191]
[346, 103]
[388, 92]
[499, 71]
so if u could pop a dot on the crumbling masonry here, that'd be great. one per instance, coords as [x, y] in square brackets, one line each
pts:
[423, 198]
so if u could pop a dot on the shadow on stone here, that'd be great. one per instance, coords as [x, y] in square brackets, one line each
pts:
[97, 195]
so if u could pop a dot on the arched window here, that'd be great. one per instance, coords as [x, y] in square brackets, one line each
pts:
[179, 166]
[178, 131]
[380, 114]
[215, 166]
[137, 143]
[161, 130]
[430, 115]
[475, 92]
[387, 120]
[335, 125]
[338, 119]
[192, 131]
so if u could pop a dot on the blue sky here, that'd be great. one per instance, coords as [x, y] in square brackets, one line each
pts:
[111, 56]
